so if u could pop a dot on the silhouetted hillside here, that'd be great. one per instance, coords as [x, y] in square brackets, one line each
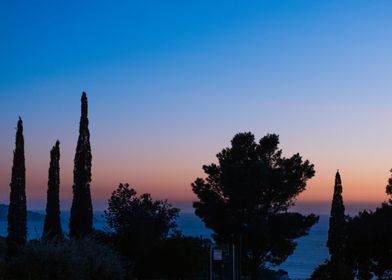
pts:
[31, 216]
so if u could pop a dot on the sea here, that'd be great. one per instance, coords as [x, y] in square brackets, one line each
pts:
[311, 250]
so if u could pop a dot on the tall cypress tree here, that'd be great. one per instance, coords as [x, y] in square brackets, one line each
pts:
[81, 221]
[17, 230]
[52, 225]
[337, 223]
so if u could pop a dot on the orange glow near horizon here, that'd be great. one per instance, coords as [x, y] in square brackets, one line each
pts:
[357, 186]
[166, 166]
[173, 182]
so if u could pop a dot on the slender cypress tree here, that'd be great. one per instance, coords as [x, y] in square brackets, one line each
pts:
[336, 232]
[17, 230]
[52, 225]
[81, 221]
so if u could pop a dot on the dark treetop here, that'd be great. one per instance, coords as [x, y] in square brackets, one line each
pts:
[52, 225]
[246, 196]
[81, 221]
[139, 217]
[388, 189]
[17, 230]
[336, 232]
[337, 267]
[138, 227]
[369, 241]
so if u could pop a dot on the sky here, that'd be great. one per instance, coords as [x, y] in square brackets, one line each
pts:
[171, 82]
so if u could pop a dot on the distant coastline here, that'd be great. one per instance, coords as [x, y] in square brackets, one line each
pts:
[304, 207]
[31, 215]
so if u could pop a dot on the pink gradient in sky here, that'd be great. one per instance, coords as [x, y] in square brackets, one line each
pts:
[165, 167]
[164, 158]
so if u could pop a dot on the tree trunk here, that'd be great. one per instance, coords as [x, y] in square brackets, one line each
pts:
[255, 266]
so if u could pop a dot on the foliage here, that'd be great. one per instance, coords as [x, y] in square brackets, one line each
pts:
[269, 274]
[17, 230]
[388, 189]
[81, 220]
[138, 224]
[139, 217]
[369, 245]
[3, 247]
[246, 197]
[332, 271]
[177, 257]
[369, 241]
[52, 225]
[337, 223]
[79, 259]
[337, 267]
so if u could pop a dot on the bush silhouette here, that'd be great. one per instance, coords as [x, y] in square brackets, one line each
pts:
[80, 259]
[138, 224]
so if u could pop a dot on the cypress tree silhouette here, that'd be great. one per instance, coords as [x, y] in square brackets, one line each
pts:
[17, 209]
[337, 224]
[340, 265]
[52, 225]
[81, 221]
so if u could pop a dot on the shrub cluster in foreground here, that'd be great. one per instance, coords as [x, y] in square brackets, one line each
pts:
[81, 259]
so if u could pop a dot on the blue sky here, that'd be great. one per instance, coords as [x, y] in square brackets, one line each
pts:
[170, 83]
[51, 39]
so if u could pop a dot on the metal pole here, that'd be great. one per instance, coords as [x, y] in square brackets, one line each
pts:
[240, 260]
[234, 278]
[210, 261]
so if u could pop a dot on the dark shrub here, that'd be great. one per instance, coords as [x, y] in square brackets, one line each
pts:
[332, 271]
[81, 259]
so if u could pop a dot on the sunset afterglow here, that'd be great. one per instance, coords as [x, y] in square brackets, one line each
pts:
[169, 90]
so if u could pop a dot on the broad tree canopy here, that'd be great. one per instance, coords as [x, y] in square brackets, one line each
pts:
[139, 217]
[247, 194]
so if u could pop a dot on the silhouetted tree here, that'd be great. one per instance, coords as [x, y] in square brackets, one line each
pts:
[179, 257]
[81, 220]
[332, 271]
[337, 223]
[17, 230]
[52, 225]
[246, 197]
[75, 259]
[138, 224]
[336, 267]
[369, 241]
[388, 189]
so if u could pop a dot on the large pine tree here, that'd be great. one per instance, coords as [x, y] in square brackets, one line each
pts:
[337, 223]
[52, 225]
[81, 222]
[246, 197]
[17, 230]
